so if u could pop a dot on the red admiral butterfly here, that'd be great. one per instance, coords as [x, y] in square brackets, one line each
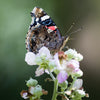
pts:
[43, 32]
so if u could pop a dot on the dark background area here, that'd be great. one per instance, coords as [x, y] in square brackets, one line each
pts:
[14, 22]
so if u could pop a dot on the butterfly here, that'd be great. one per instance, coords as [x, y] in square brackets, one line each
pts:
[43, 32]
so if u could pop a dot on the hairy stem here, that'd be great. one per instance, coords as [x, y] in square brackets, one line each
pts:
[55, 89]
[70, 88]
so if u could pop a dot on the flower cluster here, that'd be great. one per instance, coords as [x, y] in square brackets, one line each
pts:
[34, 92]
[64, 65]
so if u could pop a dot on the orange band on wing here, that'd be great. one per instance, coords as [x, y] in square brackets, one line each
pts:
[52, 28]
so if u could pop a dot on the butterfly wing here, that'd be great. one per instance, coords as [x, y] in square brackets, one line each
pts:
[43, 32]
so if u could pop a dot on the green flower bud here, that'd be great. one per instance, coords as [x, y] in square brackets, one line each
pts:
[63, 85]
[31, 82]
[38, 91]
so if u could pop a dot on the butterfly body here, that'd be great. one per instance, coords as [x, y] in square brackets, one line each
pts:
[43, 32]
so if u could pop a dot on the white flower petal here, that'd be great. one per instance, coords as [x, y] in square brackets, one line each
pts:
[31, 90]
[79, 57]
[71, 51]
[68, 92]
[30, 58]
[78, 84]
[57, 61]
[44, 51]
[73, 64]
[73, 54]
[39, 71]
[81, 92]
[25, 95]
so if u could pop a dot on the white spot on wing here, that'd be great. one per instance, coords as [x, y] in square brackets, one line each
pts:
[37, 25]
[37, 19]
[49, 30]
[45, 17]
[33, 19]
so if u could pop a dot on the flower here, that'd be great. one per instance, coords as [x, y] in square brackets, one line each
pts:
[62, 76]
[61, 65]
[72, 65]
[72, 54]
[78, 72]
[51, 66]
[44, 52]
[39, 71]
[30, 58]
[37, 91]
[69, 66]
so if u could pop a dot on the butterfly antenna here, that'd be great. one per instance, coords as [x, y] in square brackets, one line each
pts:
[68, 36]
[70, 27]
[78, 30]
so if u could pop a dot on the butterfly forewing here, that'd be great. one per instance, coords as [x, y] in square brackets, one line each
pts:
[43, 32]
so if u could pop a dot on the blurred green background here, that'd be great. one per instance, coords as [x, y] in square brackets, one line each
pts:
[14, 22]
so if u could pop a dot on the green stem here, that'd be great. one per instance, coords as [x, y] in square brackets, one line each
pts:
[59, 93]
[51, 75]
[55, 89]
[70, 88]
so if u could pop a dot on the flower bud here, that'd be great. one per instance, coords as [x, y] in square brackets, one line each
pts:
[37, 91]
[31, 82]
[78, 73]
[78, 84]
[63, 85]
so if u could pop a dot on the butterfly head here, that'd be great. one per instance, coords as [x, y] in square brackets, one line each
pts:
[37, 12]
